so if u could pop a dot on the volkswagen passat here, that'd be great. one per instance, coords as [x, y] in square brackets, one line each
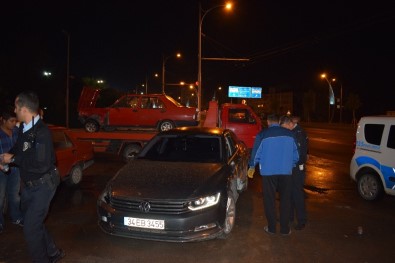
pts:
[183, 186]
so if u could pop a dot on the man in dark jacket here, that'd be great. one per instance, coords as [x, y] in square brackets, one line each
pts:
[276, 156]
[299, 175]
[34, 154]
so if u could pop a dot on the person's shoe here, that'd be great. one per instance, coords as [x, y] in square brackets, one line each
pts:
[18, 222]
[300, 226]
[266, 228]
[58, 256]
[287, 234]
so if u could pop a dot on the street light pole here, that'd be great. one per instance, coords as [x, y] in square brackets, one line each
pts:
[341, 102]
[164, 59]
[331, 96]
[67, 77]
[202, 15]
[199, 81]
[163, 73]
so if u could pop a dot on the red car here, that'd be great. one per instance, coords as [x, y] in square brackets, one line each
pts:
[157, 111]
[72, 156]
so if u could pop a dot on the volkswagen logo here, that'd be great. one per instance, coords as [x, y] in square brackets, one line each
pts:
[145, 206]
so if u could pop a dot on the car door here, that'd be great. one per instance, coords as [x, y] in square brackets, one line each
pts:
[387, 159]
[151, 110]
[125, 112]
[65, 152]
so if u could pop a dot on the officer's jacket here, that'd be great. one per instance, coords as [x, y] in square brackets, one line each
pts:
[33, 152]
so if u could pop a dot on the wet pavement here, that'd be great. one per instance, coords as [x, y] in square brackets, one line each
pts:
[335, 212]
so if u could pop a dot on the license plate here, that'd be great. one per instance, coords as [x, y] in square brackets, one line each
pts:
[144, 223]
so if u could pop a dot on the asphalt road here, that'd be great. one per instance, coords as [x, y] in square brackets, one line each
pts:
[335, 212]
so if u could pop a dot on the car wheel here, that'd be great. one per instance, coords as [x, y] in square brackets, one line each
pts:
[75, 175]
[370, 187]
[230, 216]
[166, 125]
[91, 126]
[130, 152]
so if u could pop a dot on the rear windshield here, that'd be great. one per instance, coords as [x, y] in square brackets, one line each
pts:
[201, 149]
[173, 101]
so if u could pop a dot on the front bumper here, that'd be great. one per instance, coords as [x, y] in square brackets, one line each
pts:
[192, 226]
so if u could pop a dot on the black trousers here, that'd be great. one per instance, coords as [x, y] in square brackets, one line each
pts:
[298, 199]
[282, 184]
[35, 201]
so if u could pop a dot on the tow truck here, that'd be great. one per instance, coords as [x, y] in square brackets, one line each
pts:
[240, 118]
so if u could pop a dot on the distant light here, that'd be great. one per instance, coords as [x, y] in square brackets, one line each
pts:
[47, 73]
[228, 6]
[100, 81]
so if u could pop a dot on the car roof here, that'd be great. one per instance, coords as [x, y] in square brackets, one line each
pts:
[378, 118]
[194, 131]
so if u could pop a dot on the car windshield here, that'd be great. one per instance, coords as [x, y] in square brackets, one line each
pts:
[202, 149]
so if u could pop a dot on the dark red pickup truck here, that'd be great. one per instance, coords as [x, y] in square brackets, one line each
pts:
[134, 111]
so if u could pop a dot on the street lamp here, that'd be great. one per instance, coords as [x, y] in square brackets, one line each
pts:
[331, 95]
[202, 15]
[67, 77]
[164, 59]
[47, 74]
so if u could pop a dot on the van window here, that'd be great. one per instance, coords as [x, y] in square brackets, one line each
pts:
[391, 138]
[373, 133]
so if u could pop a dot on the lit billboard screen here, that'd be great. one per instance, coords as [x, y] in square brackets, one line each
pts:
[245, 92]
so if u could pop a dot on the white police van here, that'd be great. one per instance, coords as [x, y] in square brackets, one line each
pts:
[373, 163]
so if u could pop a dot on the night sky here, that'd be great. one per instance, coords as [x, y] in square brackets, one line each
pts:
[289, 44]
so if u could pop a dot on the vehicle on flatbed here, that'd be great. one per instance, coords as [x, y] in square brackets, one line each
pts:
[239, 118]
[158, 111]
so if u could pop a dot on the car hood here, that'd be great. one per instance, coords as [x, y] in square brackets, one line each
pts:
[168, 180]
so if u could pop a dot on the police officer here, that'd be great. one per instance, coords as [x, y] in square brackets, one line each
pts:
[34, 154]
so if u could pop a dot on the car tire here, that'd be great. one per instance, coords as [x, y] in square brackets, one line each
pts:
[75, 176]
[130, 152]
[370, 187]
[230, 216]
[166, 125]
[91, 126]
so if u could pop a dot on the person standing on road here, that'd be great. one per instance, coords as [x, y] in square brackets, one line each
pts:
[276, 156]
[257, 143]
[9, 180]
[34, 154]
[298, 172]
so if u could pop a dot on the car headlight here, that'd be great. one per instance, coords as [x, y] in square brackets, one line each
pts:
[204, 202]
[106, 195]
